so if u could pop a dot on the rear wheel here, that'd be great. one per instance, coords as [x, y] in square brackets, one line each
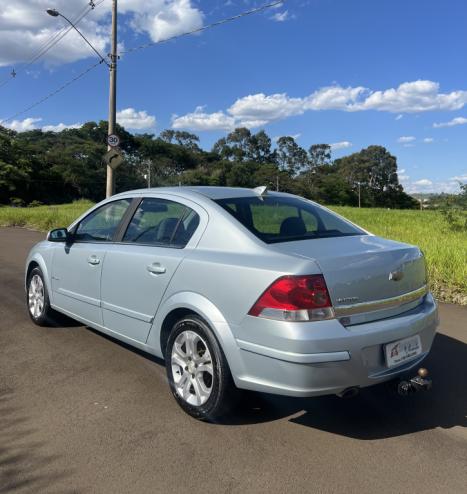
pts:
[198, 373]
[38, 299]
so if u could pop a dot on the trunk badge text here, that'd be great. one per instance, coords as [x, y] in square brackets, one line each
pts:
[347, 300]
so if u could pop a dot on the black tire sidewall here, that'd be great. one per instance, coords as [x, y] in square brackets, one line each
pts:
[44, 318]
[222, 380]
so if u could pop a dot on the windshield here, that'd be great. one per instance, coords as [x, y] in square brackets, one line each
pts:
[275, 219]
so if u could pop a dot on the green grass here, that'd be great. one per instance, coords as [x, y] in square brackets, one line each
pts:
[43, 218]
[445, 250]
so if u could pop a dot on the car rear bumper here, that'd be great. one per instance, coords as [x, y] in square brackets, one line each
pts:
[308, 359]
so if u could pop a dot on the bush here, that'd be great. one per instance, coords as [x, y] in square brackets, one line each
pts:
[35, 204]
[16, 202]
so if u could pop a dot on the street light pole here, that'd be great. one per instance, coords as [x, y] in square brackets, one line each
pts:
[110, 185]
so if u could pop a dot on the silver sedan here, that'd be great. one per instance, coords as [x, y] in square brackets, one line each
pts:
[239, 289]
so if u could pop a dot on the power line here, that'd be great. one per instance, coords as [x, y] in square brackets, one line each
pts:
[51, 42]
[141, 47]
[53, 93]
[207, 26]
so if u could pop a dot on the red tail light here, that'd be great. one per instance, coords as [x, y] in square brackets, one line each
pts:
[295, 298]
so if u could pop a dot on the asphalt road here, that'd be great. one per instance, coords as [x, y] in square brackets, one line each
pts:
[82, 413]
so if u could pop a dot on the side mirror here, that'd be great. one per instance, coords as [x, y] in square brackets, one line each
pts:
[58, 235]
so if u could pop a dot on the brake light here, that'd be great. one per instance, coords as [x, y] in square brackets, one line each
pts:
[295, 298]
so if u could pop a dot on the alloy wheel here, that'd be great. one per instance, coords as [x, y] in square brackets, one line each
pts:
[192, 368]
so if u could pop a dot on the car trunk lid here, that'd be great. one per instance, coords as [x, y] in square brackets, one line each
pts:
[368, 277]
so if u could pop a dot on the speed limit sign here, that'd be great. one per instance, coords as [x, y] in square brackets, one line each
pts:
[113, 140]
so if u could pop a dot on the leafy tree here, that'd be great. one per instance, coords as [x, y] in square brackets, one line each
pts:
[319, 155]
[241, 145]
[290, 156]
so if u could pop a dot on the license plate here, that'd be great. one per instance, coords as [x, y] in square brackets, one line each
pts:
[400, 351]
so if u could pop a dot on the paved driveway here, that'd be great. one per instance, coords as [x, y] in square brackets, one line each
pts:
[82, 413]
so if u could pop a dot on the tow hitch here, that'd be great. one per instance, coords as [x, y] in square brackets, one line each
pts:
[415, 384]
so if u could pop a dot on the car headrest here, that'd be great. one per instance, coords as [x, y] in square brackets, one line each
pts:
[166, 229]
[293, 226]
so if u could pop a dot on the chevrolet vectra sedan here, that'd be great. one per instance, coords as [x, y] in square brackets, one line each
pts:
[239, 289]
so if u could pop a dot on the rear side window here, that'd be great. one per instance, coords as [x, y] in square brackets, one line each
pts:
[102, 223]
[276, 219]
[162, 222]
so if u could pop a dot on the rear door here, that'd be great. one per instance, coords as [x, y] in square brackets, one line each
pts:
[138, 268]
[77, 267]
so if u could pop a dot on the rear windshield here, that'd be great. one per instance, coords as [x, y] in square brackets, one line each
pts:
[276, 219]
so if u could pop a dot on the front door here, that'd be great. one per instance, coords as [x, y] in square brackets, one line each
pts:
[77, 267]
[138, 269]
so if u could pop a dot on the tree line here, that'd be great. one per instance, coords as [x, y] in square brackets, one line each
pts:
[47, 167]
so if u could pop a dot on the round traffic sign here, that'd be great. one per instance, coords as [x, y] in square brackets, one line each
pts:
[113, 140]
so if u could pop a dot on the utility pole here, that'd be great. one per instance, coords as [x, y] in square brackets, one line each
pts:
[110, 187]
[359, 196]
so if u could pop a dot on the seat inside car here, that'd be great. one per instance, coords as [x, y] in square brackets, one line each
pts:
[166, 230]
[292, 226]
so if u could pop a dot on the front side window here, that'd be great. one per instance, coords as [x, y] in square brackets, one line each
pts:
[276, 219]
[162, 222]
[101, 224]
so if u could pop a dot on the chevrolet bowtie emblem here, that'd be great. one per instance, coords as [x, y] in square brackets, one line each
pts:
[396, 275]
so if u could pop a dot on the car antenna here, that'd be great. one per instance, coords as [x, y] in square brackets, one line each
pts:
[262, 191]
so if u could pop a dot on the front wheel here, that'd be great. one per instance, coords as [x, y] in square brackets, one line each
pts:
[197, 370]
[38, 299]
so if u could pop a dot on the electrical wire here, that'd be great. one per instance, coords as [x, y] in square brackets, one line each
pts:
[53, 93]
[141, 47]
[256, 10]
[51, 42]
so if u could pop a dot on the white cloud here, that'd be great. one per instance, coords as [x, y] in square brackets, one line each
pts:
[424, 182]
[402, 170]
[281, 16]
[414, 97]
[257, 110]
[133, 119]
[460, 178]
[451, 123]
[293, 136]
[162, 19]
[399, 116]
[61, 126]
[430, 186]
[341, 145]
[22, 125]
[428, 140]
[199, 121]
[25, 26]
[406, 139]
[31, 124]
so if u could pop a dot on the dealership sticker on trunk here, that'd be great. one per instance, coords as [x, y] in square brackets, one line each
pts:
[402, 350]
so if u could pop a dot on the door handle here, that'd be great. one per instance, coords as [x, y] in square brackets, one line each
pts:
[93, 260]
[155, 268]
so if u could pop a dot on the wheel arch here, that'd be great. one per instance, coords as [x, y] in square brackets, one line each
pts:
[183, 303]
[38, 261]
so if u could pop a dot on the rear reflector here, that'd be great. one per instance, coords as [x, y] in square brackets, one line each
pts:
[295, 298]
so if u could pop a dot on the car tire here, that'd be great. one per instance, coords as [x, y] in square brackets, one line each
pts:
[37, 299]
[197, 370]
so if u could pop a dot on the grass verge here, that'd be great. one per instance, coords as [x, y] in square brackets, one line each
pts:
[445, 250]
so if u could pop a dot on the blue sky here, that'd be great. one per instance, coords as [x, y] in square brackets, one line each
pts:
[345, 72]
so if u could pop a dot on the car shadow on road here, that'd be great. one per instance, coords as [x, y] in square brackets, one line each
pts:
[24, 465]
[377, 412]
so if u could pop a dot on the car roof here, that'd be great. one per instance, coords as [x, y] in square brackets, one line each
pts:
[209, 192]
